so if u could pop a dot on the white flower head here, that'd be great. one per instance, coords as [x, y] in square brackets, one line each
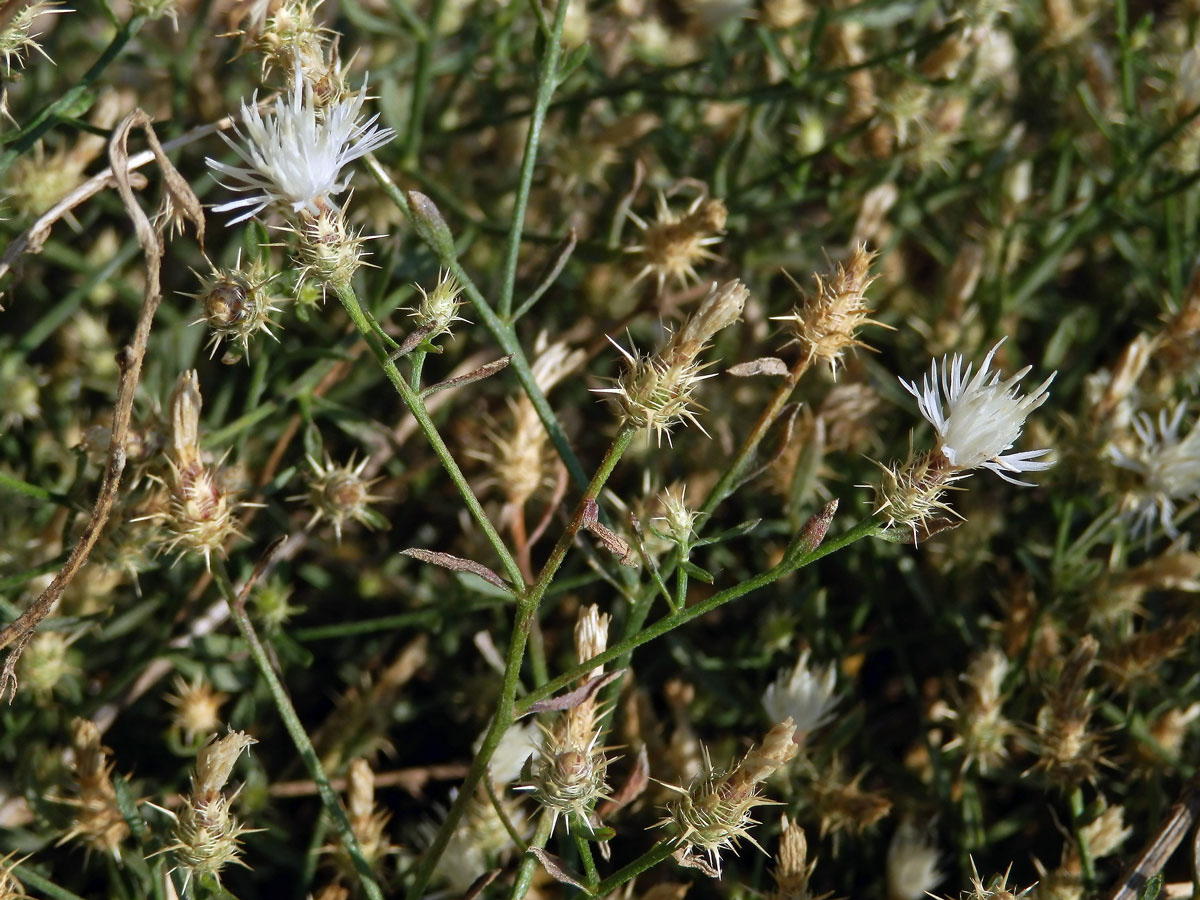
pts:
[803, 693]
[294, 155]
[912, 864]
[1169, 465]
[983, 415]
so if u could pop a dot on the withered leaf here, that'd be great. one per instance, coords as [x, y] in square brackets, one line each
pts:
[479, 374]
[768, 365]
[556, 868]
[458, 564]
[633, 787]
[573, 698]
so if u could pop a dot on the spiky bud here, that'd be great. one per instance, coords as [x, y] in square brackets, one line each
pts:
[983, 731]
[793, 870]
[46, 663]
[368, 823]
[439, 308]
[328, 249]
[679, 519]
[16, 41]
[1068, 751]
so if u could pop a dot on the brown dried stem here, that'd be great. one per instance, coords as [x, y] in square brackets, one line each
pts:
[19, 632]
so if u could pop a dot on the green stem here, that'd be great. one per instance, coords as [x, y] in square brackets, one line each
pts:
[547, 82]
[503, 333]
[589, 864]
[648, 860]
[527, 607]
[32, 879]
[17, 486]
[412, 400]
[1086, 864]
[529, 862]
[299, 736]
[866, 528]
[70, 98]
[422, 80]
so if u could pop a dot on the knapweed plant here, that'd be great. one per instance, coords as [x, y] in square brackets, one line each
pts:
[563, 448]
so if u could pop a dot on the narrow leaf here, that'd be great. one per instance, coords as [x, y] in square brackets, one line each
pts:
[457, 564]
[768, 365]
[479, 374]
[573, 698]
[556, 868]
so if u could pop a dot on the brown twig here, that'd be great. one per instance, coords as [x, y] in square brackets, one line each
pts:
[1150, 861]
[20, 632]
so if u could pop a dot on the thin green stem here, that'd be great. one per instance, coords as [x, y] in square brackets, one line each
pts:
[412, 400]
[644, 863]
[527, 607]
[1087, 865]
[17, 486]
[866, 528]
[46, 118]
[589, 864]
[295, 730]
[503, 333]
[32, 879]
[547, 82]
[422, 80]
[529, 862]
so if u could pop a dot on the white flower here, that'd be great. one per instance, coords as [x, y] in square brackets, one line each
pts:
[807, 695]
[912, 864]
[294, 156]
[1169, 466]
[983, 415]
[519, 743]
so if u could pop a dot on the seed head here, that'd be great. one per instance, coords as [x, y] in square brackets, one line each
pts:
[912, 864]
[793, 870]
[98, 820]
[1068, 751]
[841, 803]
[329, 250]
[983, 731]
[341, 494]
[15, 39]
[236, 304]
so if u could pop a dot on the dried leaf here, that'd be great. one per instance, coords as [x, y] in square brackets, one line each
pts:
[612, 541]
[573, 698]
[458, 564]
[815, 528]
[556, 868]
[633, 787]
[479, 374]
[768, 365]
[480, 883]
[688, 861]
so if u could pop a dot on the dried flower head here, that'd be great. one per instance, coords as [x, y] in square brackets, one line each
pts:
[807, 695]
[197, 708]
[655, 392]
[840, 803]
[48, 663]
[368, 823]
[201, 514]
[341, 494]
[983, 732]
[98, 821]
[675, 243]
[236, 304]
[827, 321]
[10, 887]
[793, 869]
[1069, 752]
[997, 888]
[1169, 466]
[713, 813]
[295, 156]
[207, 834]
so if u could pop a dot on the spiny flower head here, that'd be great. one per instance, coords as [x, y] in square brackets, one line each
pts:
[1169, 465]
[341, 494]
[805, 694]
[793, 870]
[713, 813]
[236, 304]
[996, 889]
[438, 308]
[197, 707]
[827, 321]
[294, 156]
[98, 822]
[330, 251]
[655, 392]
[15, 42]
[983, 731]
[983, 416]
[567, 774]
[675, 243]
